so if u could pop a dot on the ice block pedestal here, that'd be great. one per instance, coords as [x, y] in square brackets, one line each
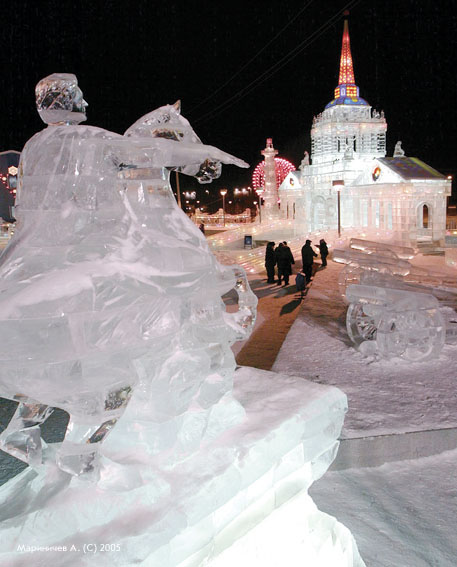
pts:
[240, 500]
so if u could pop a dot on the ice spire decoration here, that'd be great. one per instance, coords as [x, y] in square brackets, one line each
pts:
[271, 187]
[346, 81]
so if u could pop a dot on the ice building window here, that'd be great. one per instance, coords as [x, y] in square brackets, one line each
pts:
[377, 214]
[364, 212]
[389, 216]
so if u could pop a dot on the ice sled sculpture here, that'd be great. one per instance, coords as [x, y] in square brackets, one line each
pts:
[392, 250]
[106, 287]
[396, 309]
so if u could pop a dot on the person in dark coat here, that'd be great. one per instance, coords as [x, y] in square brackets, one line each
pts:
[324, 251]
[270, 262]
[284, 260]
[307, 257]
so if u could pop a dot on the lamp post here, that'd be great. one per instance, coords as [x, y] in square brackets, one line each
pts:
[223, 192]
[178, 190]
[338, 185]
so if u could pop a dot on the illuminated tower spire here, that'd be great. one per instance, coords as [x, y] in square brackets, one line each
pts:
[346, 68]
[346, 81]
[348, 128]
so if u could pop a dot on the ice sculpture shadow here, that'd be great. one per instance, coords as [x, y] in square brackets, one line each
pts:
[320, 312]
[113, 292]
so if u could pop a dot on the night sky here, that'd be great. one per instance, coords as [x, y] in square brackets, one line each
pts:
[243, 71]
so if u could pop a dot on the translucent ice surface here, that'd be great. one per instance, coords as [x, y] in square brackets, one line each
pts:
[111, 309]
[108, 290]
[370, 247]
[240, 499]
[395, 308]
[402, 323]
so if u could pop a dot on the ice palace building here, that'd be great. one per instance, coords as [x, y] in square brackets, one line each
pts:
[400, 194]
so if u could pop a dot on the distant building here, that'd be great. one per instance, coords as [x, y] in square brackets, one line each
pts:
[348, 152]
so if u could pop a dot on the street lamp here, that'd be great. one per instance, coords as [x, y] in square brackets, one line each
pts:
[338, 186]
[223, 192]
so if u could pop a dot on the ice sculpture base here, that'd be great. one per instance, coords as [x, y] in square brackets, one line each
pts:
[241, 499]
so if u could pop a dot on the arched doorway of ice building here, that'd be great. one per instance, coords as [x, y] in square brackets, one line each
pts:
[318, 213]
[424, 221]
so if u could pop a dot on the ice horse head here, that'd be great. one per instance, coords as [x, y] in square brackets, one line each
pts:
[167, 123]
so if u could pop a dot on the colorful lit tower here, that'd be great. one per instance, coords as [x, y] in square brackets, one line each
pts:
[347, 128]
[270, 196]
[346, 81]
[351, 184]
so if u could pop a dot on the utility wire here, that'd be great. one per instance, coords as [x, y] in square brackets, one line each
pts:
[268, 73]
[214, 93]
[276, 67]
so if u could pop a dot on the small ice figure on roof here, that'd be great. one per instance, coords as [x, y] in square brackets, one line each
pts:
[348, 152]
[107, 286]
[305, 160]
[398, 151]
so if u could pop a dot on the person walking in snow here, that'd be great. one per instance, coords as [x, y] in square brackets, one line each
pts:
[324, 251]
[307, 257]
[270, 262]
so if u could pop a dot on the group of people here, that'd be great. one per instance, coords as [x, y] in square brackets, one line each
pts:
[282, 257]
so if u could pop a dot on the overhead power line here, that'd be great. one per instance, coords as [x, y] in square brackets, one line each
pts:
[268, 73]
[243, 67]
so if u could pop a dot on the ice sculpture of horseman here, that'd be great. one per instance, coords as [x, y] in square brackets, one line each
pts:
[108, 290]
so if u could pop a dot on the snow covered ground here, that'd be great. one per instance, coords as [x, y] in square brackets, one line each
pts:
[385, 396]
[394, 482]
[401, 513]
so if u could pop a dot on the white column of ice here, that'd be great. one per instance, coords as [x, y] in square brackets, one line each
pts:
[270, 196]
